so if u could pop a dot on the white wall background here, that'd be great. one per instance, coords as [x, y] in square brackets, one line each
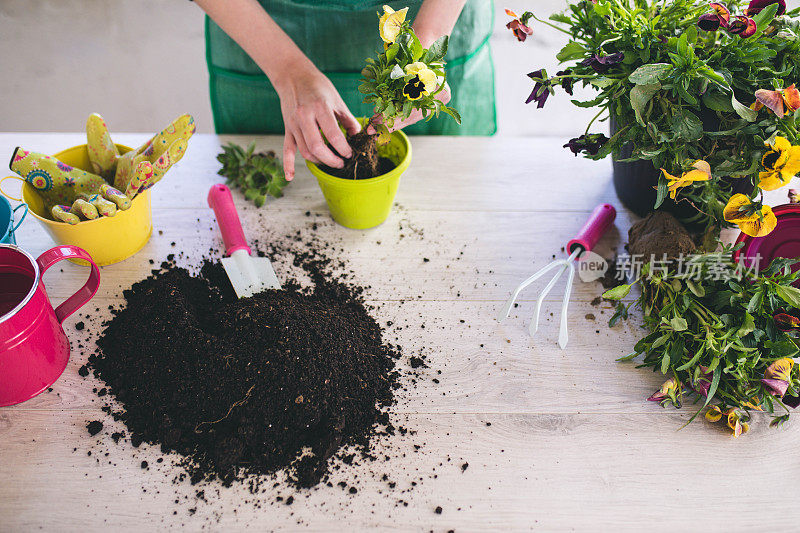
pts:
[140, 63]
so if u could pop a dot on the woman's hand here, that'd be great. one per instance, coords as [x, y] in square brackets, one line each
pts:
[310, 103]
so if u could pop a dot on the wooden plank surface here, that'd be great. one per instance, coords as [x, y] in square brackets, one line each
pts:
[572, 443]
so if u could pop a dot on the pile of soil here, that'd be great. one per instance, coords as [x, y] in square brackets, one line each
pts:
[240, 387]
[365, 163]
[661, 235]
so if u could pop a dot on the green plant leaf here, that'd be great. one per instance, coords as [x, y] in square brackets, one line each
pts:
[679, 324]
[617, 293]
[748, 325]
[742, 110]
[790, 295]
[640, 96]
[571, 51]
[437, 50]
[687, 126]
[650, 74]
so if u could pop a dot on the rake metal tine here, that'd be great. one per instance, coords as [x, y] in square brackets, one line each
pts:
[510, 302]
[563, 336]
[534, 327]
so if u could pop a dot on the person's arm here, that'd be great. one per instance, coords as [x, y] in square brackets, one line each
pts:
[309, 101]
[434, 19]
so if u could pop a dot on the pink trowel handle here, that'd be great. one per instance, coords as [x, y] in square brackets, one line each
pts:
[601, 219]
[221, 201]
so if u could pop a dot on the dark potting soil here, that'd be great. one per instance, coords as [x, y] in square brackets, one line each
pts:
[659, 234]
[365, 163]
[385, 166]
[282, 380]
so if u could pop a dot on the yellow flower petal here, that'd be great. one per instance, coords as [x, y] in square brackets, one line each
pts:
[771, 180]
[714, 414]
[735, 210]
[390, 23]
[780, 369]
[696, 175]
[426, 75]
[703, 166]
[792, 166]
[759, 227]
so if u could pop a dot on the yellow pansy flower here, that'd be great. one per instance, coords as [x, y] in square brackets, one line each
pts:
[742, 212]
[701, 171]
[781, 164]
[780, 369]
[714, 414]
[735, 422]
[390, 23]
[425, 74]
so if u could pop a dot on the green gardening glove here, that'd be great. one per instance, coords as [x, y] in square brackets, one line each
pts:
[140, 169]
[73, 191]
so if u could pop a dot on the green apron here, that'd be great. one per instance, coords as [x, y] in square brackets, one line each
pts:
[338, 35]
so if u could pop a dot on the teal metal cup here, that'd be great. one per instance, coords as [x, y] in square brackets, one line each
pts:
[8, 226]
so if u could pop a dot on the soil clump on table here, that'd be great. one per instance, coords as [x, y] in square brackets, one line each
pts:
[282, 380]
[659, 234]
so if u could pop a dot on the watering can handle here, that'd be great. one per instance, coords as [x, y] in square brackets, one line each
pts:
[85, 293]
[221, 201]
[19, 222]
[599, 221]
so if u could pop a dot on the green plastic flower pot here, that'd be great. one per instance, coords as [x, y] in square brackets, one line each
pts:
[363, 204]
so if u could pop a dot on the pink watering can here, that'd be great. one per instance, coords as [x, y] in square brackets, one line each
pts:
[34, 349]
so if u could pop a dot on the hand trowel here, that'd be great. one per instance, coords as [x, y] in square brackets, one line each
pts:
[249, 275]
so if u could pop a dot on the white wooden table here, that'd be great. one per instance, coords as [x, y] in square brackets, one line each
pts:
[572, 442]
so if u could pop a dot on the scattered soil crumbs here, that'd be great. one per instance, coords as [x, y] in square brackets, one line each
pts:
[94, 427]
[659, 234]
[281, 380]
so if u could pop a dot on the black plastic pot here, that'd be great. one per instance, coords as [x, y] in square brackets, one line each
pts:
[635, 182]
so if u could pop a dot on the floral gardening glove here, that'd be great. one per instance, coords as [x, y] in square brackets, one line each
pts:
[103, 153]
[140, 169]
[67, 190]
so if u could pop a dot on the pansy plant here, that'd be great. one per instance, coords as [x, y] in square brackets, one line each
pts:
[728, 333]
[684, 81]
[405, 76]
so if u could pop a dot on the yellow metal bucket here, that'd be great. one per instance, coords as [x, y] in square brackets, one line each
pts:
[107, 239]
[363, 204]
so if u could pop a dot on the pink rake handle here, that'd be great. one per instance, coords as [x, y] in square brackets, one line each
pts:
[600, 220]
[221, 201]
[85, 293]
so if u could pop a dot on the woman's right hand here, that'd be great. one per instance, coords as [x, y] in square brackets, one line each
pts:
[310, 103]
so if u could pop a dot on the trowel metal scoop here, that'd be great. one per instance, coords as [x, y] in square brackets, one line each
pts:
[249, 275]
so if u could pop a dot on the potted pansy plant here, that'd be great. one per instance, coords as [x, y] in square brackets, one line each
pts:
[404, 81]
[701, 98]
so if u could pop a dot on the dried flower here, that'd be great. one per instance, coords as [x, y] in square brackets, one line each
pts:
[519, 25]
[540, 90]
[601, 64]
[590, 144]
[756, 6]
[737, 422]
[567, 83]
[713, 21]
[670, 392]
[778, 101]
[742, 26]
